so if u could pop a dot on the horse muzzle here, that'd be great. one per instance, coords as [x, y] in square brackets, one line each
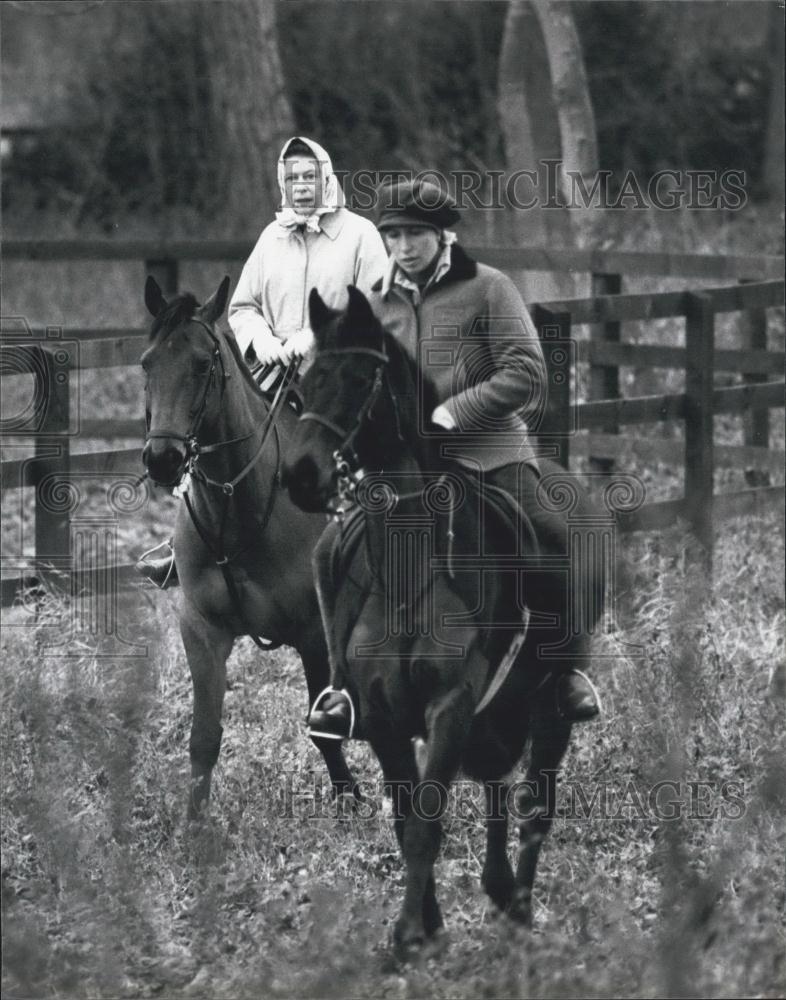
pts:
[165, 461]
[309, 488]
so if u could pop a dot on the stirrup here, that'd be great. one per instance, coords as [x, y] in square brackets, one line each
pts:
[142, 561]
[326, 734]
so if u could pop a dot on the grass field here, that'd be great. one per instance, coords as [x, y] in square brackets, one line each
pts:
[108, 893]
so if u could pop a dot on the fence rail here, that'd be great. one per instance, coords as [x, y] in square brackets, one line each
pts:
[605, 351]
[696, 407]
[507, 258]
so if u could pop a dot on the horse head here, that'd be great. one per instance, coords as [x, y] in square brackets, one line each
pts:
[359, 396]
[184, 378]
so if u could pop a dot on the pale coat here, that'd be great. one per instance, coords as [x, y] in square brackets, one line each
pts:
[286, 263]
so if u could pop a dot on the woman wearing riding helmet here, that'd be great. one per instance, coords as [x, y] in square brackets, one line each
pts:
[471, 334]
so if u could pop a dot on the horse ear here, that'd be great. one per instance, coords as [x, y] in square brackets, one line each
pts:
[359, 310]
[216, 304]
[319, 314]
[154, 297]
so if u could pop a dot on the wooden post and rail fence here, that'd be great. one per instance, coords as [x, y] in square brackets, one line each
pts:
[757, 287]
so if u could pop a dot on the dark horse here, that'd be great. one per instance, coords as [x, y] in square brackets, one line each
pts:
[420, 637]
[243, 549]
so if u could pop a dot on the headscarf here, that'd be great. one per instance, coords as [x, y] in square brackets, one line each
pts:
[331, 192]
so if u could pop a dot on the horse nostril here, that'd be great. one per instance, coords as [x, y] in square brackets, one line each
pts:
[173, 457]
[163, 462]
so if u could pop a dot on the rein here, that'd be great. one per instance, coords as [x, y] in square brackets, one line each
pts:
[345, 457]
[189, 439]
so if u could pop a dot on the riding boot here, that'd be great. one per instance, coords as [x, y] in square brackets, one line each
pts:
[333, 717]
[576, 697]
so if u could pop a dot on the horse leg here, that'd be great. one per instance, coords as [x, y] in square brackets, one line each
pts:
[448, 721]
[497, 877]
[207, 648]
[535, 806]
[397, 760]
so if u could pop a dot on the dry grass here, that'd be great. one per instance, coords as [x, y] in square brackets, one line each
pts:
[107, 893]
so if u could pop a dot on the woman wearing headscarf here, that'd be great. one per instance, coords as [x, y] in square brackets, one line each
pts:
[468, 328]
[313, 242]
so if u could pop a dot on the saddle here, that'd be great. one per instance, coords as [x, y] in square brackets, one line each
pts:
[506, 514]
[502, 519]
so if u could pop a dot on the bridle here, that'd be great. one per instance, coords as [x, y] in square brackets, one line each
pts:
[345, 458]
[190, 440]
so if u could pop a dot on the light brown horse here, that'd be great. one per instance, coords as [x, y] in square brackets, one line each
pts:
[243, 549]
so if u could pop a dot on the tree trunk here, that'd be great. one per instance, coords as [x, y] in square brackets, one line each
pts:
[774, 140]
[251, 113]
[570, 93]
[542, 96]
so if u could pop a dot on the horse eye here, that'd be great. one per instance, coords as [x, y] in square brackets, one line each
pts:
[202, 367]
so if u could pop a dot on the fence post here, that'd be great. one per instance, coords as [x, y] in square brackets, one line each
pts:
[53, 491]
[604, 381]
[753, 322]
[165, 271]
[699, 457]
[556, 422]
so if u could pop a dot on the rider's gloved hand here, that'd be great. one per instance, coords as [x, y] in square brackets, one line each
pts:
[268, 349]
[442, 417]
[298, 344]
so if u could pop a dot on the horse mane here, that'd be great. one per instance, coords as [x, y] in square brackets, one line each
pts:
[245, 371]
[179, 310]
[404, 367]
[402, 360]
[183, 308]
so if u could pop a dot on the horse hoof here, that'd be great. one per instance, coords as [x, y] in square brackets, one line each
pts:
[407, 943]
[499, 891]
[433, 925]
[520, 908]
